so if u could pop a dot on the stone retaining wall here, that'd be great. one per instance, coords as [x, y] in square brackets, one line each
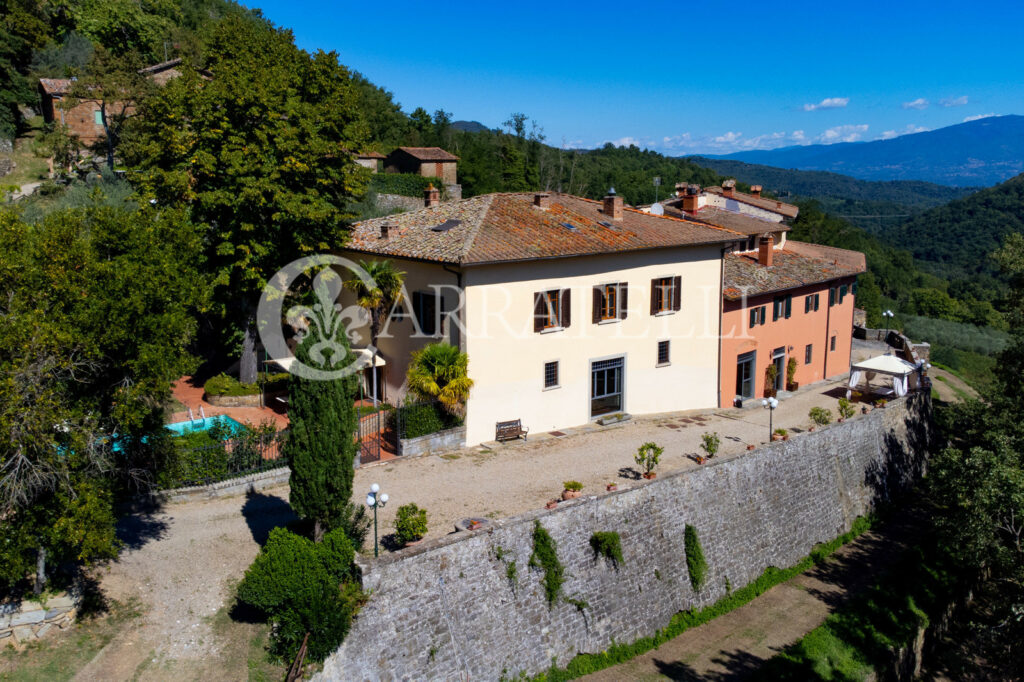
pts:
[442, 441]
[452, 608]
[29, 620]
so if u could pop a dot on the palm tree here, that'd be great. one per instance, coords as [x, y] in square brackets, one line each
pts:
[439, 372]
[377, 299]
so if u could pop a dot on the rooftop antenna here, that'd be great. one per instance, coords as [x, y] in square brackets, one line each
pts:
[657, 184]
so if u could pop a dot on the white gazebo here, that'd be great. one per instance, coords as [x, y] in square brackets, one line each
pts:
[897, 373]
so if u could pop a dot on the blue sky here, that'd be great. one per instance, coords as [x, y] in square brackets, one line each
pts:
[683, 78]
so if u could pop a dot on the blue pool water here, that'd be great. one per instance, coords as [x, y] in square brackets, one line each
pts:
[181, 428]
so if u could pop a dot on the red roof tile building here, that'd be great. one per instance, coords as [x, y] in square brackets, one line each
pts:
[426, 161]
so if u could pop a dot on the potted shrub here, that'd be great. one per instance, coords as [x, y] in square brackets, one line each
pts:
[612, 487]
[820, 416]
[880, 402]
[410, 524]
[790, 373]
[846, 409]
[771, 374]
[572, 490]
[780, 434]
[709, 443]
[646, 458]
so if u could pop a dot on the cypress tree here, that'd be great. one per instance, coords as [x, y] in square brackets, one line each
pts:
[321, 443]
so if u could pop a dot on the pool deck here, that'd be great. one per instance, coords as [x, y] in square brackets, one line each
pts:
[190, 393]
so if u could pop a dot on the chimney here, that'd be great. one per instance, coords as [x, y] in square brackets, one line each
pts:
[681, 188]
[729, 188]
[755, 190]
[431, 196]
[766, 250]
[384, 230]
[690, 196]
[613, 205]
[542, 201]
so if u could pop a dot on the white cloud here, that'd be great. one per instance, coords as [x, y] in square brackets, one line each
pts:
[799, 137]
[626, 142]
[728, 138]
[977, 117]
[828, 103]
[919, 103]
[954, 101]
[910, 129]
[844, 133]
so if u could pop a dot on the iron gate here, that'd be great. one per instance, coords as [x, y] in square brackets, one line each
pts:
[377, 436]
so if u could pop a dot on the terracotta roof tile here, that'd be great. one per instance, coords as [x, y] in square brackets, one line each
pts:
[507, 227]
[429, 153]
[773, 205]
[55, 86]
[792, 267]
[740, 222]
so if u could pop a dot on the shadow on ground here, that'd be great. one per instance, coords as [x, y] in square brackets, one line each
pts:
[140, 524]
[263, 513]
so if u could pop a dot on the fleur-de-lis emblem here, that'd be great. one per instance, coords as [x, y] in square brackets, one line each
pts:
[324, 320]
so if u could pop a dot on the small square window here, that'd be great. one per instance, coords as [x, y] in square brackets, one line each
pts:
[832, 344]
[808, 350]
[663, 353]
[551, 374]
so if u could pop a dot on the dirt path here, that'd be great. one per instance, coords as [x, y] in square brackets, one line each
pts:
[733, 646]
[180, 564]
[949, 386]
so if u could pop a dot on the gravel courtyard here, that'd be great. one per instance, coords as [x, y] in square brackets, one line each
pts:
[181, 562]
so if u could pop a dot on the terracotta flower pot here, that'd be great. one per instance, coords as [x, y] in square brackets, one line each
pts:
[701, 459]
[571, 494]
[751, 447]
[811, 428]
[611, 487]
[776, 437]
[650, 475]
[840, 420]
[551, 505]
[786, 437]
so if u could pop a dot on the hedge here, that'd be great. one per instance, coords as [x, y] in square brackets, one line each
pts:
[405, 184]
[423, 419]
[222, 384]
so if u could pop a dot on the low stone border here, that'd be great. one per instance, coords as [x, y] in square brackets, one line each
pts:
[32, 619]
[433, 443]
[232, 486]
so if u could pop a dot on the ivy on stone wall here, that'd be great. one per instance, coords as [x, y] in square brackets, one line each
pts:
[545, 558]
[609, 545]
[696, 565]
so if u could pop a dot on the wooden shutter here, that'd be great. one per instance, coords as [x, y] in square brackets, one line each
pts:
[831, 296]
[764, 314]
[753, 317]
[789, 306]
[677, 294]
[623, 300]
[654, 296]
[597, 304]
[538, 311]
[566, 308]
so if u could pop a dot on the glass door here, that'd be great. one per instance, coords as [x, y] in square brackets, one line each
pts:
[745, 375]
[779, 358]
[605, 387]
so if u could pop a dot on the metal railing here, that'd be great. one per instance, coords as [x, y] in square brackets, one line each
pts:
[241, 456]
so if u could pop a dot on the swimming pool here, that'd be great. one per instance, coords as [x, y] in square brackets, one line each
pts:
[181, 428]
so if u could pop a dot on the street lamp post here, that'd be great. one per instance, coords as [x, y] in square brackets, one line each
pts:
[375, 498]
[888, 315]
[770, 404]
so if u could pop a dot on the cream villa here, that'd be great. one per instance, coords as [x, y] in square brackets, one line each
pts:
[568, 308]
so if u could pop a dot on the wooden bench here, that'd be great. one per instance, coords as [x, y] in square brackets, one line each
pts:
[510, 430]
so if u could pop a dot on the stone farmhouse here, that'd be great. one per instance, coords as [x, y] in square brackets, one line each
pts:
[426, 161]
[572, 309]
[84, 119]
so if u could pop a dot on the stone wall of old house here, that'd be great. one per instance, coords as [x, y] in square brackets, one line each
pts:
[453, 609]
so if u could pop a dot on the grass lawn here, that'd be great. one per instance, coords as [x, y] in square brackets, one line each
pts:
[60, 655]
[28, 167]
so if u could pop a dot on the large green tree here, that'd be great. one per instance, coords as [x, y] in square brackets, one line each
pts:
[96, 317]
[321, 445]
[257, 147]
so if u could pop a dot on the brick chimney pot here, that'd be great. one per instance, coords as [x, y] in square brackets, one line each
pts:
[613, 206]
[542, 201]
[766, 250]
[431, 196]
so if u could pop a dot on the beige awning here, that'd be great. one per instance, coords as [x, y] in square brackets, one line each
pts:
[364, 355]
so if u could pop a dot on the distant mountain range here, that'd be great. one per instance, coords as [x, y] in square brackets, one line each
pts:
[873, 205]
[976, 153]
[470, 126]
